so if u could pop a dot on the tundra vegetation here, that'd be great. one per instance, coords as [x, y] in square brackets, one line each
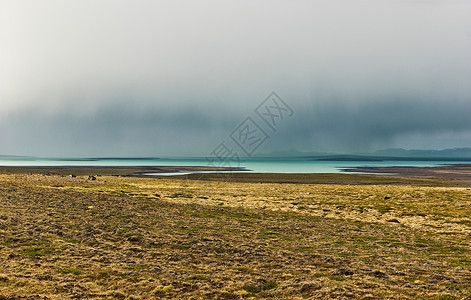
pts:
[140, 238]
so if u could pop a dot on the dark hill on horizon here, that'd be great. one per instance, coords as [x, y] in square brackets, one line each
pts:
[399, 152]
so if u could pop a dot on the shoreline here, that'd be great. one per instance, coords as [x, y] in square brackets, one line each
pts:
[459, 173]
[449, 175]
[133, 171]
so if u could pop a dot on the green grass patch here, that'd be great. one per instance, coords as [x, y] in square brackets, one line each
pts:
[338, 278]
[384, 209]
[36, 251]
[264, 233]
[257, 288]
[68, 270]
[179, 247]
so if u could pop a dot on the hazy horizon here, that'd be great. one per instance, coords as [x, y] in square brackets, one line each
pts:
[176, 78]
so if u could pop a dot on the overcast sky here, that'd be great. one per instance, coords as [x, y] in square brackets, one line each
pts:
[160, 78]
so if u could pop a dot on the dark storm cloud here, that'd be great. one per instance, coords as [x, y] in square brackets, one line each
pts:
[366, 125]
[112, 130]
[87, 78]
[327, 125]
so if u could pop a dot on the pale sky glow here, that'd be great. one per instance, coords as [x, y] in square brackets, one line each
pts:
[140, 78]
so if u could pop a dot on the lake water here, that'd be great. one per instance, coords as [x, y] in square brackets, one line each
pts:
[262, 165]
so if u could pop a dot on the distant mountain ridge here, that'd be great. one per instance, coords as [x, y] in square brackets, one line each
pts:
[399, 152]
[379, 155]
[384, 154]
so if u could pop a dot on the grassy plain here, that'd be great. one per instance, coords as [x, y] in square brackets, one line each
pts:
[143, 238]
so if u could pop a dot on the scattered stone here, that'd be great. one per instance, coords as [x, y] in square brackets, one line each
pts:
[443, 279]
[378, 274]
[344, 272]
[134, 239]
[118, 295]
[450, 289]
[91, 241]
[309, 287]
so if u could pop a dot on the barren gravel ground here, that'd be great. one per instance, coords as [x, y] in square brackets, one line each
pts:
[145, 238]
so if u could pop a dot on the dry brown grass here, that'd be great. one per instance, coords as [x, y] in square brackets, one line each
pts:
[141, 238]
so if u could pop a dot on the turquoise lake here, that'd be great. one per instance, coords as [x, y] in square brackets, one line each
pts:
[262, 165]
